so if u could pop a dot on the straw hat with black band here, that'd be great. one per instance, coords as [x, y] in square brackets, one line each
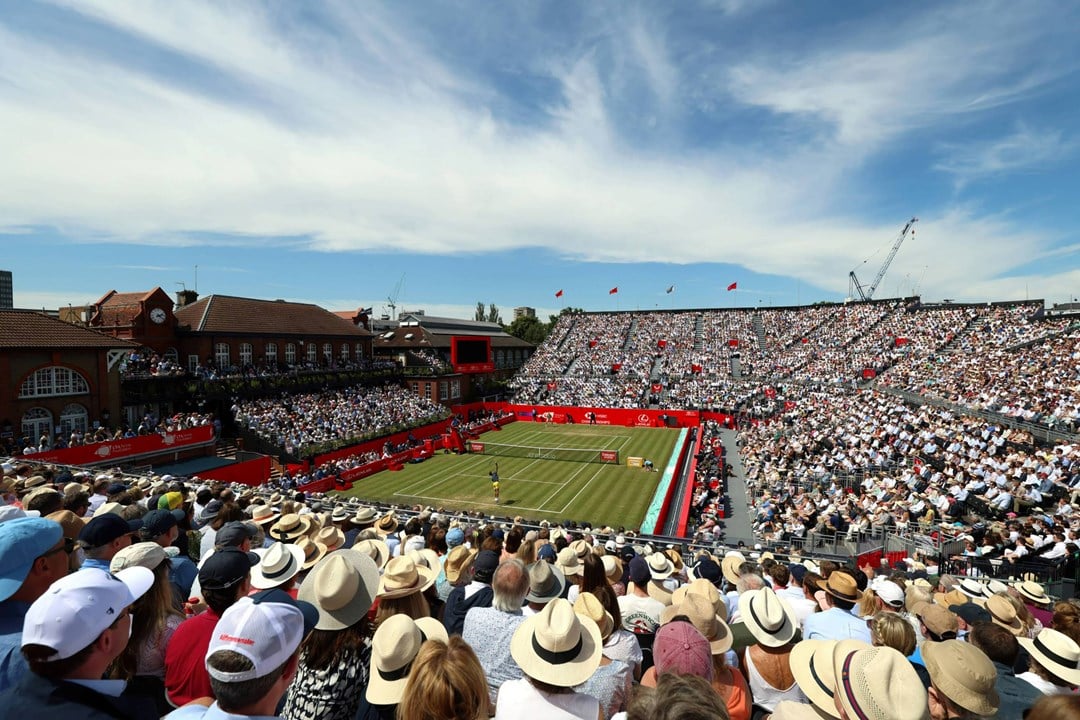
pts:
[1032, 592]
[313, 552]
[279, 563]
[557, 646]
[878, 683]
[289, 528]
[393, 649]
[811, 665]
[702, 616]
[842, 586]
[1056, 652]
[404, 577]
[546, 582]
[768, 617]
[377, 549]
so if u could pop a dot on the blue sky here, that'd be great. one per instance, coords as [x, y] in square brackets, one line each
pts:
[336, 152]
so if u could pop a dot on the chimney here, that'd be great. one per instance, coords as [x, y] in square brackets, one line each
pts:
[186, 297]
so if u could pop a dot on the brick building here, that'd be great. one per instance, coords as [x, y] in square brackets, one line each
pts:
[56, 377]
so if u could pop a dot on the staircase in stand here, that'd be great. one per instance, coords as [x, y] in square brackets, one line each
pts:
[226, 449]
[699, 331]
[759, 330]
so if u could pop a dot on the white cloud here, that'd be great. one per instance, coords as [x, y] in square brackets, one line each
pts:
[1025, 149]
[390, 147]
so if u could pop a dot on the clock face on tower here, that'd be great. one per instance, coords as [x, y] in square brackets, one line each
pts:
[157, 315]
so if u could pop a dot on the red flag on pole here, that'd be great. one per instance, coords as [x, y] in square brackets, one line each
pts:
[613, 290]
[558, 294]
[733, 286]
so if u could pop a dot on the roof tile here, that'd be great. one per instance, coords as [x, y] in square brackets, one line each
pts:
[29, 329]
[226, 314]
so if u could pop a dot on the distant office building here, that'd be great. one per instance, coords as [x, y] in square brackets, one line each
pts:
[524, 312]
[7, 298]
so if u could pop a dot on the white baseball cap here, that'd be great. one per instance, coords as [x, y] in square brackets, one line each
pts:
[77, 608]
[889, 592]
[266, 628]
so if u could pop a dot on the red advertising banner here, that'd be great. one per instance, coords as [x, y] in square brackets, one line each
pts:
[609, 456]
[476, 447]
[251, 472]
[116, 450]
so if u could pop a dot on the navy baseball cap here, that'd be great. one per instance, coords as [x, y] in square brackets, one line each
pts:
[485, 565]
[159, 522]
[225, 568]
[233, 534]
[639, 571]
[546, 552]
[103, 529]
[798, 571]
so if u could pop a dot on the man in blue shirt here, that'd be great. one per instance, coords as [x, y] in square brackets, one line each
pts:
[33, 555]
[103, 537]
[837, 623]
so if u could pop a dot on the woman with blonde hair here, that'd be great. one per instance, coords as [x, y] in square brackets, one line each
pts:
[154, 619]
[446, 682]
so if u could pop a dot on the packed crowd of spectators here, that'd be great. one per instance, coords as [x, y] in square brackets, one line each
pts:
[146, 597]
[149, 425]
[145, 362]
[296, 422]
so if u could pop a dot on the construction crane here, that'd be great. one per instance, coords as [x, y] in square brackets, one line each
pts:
[391, 300]
[853, 281]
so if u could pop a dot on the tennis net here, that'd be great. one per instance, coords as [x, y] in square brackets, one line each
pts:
[587, 455]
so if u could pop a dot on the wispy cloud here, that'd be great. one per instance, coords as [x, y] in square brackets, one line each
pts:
[392, 145]
[1026, 149]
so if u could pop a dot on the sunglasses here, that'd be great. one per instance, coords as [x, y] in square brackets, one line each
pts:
[68, 547]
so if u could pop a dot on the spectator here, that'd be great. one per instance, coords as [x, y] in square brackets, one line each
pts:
[155, 619]
[163, 528]
[640, 611]
[71, 634]
[1054, 662]
[333, 670]
[278, 568]
[1055, 707]
[556, 650]
[224, 578]
[401, 590]
[613, 679]
[252, 658]
[767, 664]
[477, 593]
[962, 681]
[103, 537]
[488, 630]
[446, 683]
[33, 555]
[677, 697]
[837, 622]
[876, 683]
[999, 644]
[394, 649]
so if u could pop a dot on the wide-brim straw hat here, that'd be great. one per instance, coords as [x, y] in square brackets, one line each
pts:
[364, 516]
[289, 528]
[313, 552]
[613, 569]
[587, 605]
[878, 683]
[972, 588]
[378, 550]
[953, 597]
[1004, 614]
[557, 646]
[660, 566]
[811, 665]
[404, 577]
[458, 561]
[768, 617]
[1032, 591]
[581, 548]
[426, 557]
[705, 589]
[331, 537]
[1056, 652]
[263, 514]
[702, 616]
[729, 566]
[567, 561]
[842, 586]
[393, 649]
[342, 588]
[546, 582]
[387, 524]
[964, 674]
[279, 562]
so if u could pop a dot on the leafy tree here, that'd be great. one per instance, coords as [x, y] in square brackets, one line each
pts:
[529, 329]
[493, 314]
[480, 315]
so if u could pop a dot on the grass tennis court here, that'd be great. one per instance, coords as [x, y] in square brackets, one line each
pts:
[536, 487]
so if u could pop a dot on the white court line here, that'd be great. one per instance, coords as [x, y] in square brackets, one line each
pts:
[568, 481]
[587, 482]
[482, 504]
[515, 478]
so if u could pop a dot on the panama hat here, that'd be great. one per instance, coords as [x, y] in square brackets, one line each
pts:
[331, 537]
[705, 589]
[341, 513]
[972, 588]
[1004, 614]
[1032, 591]
[458, 560]
[768, 617]
[279, 563]
[546, 582]
[581, 548]
[387, 524]
[660, 566]
[878, 683]
[557, 646]
[426, 557]
[289, 528]
[1056, 652]
[404, 577]
[588, 606]
[842, 586]
[613, 569]
[342, 588]
[675, 558]
[263, 514]
[567, 561]
[313, 552]
[729, 566]
[811, 665]
[708, 622]
[393, 649]
[791, 710]
[964, 674]
[953, 597]
[364, 516]
[377, 549]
